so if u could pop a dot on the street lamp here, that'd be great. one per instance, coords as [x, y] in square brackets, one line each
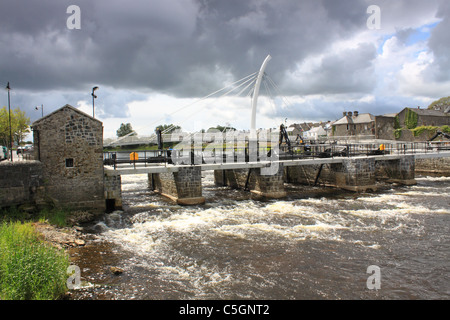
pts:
[42, 109]
[93, 101]
[10, 129]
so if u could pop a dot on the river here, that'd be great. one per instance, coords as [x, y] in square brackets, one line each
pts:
[317, 243]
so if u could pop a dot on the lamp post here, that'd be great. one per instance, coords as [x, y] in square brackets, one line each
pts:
[93, 101]
[42, 109]
[10, 129]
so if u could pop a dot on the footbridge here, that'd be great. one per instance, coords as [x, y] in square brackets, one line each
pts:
[356, 167]
[257, 161]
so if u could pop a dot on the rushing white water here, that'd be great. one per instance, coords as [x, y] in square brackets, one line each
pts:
[314, 244]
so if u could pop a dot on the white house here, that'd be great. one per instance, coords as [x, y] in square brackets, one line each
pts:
[315, 133]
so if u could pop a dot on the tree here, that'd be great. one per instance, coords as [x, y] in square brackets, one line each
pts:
[169, 127]
[442, 104]
[222, 128]
[20, 126]
[125, 129]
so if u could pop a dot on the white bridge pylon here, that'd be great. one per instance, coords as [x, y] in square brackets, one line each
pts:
[255, 98]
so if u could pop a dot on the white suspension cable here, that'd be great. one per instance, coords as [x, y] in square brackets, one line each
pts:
[190, 104]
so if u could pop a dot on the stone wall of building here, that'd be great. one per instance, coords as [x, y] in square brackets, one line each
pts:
[69, 143]
[21, 183]
[385, 127]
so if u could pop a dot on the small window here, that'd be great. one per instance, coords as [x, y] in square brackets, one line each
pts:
[69, 163]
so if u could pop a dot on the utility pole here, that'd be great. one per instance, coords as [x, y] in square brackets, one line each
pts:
[10, 128]
[93, 101]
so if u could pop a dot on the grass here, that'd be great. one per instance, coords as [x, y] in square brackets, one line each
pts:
[55, 216]
[30, 269]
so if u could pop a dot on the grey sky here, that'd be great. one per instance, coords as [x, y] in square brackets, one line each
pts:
[324, 56]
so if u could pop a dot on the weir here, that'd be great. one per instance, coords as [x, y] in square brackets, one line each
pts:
[182, 184]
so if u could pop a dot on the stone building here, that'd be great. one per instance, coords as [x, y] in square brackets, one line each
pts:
[385, 126]
[354, 124]
[69, 144]
[411, 118]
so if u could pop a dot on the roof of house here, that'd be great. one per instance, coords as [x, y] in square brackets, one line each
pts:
[316, 129]
[360, 118]
[389, 115]
[427, 112]
[67, 106]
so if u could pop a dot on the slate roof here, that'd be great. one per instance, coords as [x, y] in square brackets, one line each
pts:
[360, 118]
[60, 109]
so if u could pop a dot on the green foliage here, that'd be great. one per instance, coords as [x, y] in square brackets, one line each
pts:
[29, 269]
[55, 216]
[419, 130]
[167, 128]
[441, 103]
[20, 126]
[222, 128]
[445, 129]
[124, 130]
[397, 122]
[411, 119]
[398, 133]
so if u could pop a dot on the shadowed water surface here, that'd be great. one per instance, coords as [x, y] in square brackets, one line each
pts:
[315, 244]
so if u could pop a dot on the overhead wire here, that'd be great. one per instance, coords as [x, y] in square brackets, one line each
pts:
[247, 78]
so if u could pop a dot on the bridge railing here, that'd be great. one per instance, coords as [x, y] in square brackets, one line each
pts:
[294, 152]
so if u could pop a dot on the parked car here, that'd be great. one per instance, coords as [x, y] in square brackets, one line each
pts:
[4, 154]
[25, 149]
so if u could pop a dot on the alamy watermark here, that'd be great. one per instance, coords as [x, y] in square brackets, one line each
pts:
[374, 20]
[74, 279]
[374, 281]
[74, 20]
[216, 147]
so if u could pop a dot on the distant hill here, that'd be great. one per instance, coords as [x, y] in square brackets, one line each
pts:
[442, 105]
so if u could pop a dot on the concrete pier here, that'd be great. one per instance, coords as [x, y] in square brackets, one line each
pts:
[350, 174]
[401, 170]
[183, 186]
[251, 179]
[356, 175]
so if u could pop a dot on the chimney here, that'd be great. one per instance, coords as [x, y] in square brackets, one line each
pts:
[349, 113]
[355, 113]
[344, 113]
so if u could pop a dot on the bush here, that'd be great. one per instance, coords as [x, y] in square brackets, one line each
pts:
[56, 217]
[419, 130]
[29, 269]
[445, 129]
[411, 119]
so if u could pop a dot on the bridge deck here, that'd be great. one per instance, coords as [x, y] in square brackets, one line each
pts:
[162, 168]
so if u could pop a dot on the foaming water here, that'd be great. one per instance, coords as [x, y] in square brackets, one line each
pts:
[316, 244]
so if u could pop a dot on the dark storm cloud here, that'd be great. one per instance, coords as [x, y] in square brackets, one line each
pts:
[164, 45]
[347, 71]
[190, 48]
[439, 44]
[321, 109]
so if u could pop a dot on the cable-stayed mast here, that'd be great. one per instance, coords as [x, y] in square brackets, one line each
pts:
[255, 97]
